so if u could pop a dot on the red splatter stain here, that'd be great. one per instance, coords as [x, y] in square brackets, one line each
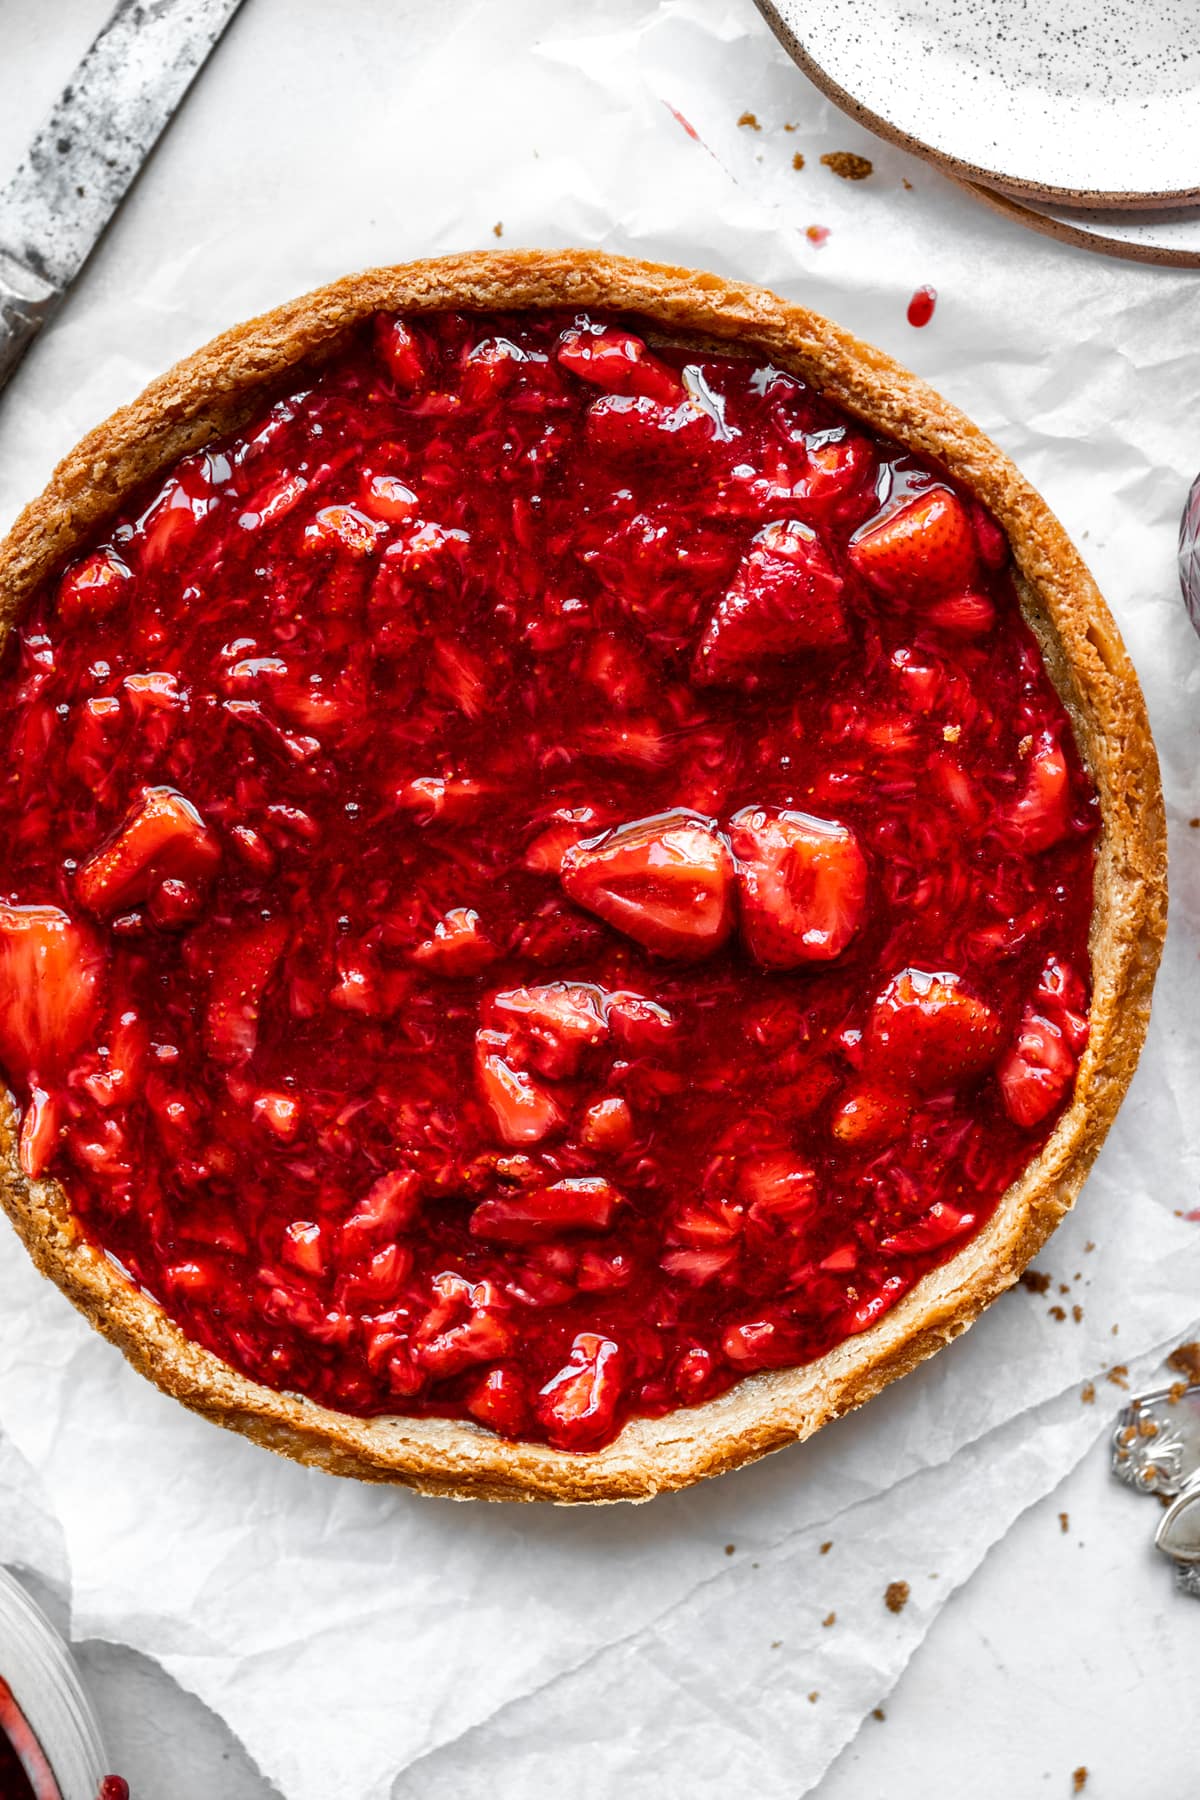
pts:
[920, 307]
[817, 234]
[686, 123]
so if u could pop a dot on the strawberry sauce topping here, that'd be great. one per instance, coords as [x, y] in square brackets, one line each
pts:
[542, 877]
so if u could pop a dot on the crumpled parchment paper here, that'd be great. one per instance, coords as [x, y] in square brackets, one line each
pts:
[364, 1642]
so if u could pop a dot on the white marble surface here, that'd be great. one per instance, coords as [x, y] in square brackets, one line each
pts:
[1066, 1648]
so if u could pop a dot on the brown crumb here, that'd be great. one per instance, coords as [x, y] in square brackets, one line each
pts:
[791, 128]
[1088, 1246]
[1064, 1522]
[776, 1643]
[729, 1549]
[498, 229]
[829, 1619]
[797, 161]
[1077, 1313]
[1087, 1393]
[1079, 1780]
[827, 1547]
[817, 234]
[905, 182]
[1056, 1312]
[1063, 1288]
[1036, 1281]
[1118, 1375]
[1186, 1361]
[877, 1712]
[1175, 1392]
[1146, 1428]
[1194, 823]
[896, 1596]
[814, 1697]
[1115, 1330]
[847, 165]
[749, 119]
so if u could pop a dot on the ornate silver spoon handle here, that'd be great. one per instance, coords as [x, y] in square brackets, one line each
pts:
[1156, 1450]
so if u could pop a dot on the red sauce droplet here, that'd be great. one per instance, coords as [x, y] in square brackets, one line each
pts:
[920, 307]
[113, 1787]
[817, 234]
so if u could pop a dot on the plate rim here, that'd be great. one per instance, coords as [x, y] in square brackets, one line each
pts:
[1063, 232]
[1018, 187]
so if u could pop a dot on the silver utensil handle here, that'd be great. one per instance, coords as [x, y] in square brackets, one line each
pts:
[26, 302]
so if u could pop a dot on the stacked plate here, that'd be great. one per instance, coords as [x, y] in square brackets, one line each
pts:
[1079, 118]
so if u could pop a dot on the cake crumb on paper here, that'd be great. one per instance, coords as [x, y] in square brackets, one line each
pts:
[1087, 1393]
[1118, 1375]
[776, 1643]
[1056, 1312]
[896, 1596]
[1079, 1779]
[877, 1712]
[1064, 1522]
[814, 1697]
[1036, 1281]
[1186, 1361]
[848, 165]
[827, 1547]
[906, 183]
[829, 1619]
[748, 119]
[1077, 1313]
[798, 161]
[729, 1549]
[817, 234]
[498, 228]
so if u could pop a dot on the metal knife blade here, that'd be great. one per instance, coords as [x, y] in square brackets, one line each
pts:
[99, 133]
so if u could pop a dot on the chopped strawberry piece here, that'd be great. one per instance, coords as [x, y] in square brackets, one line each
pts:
[94, 587]
[387, 497]
[803, 885]
[389, 1206]
[635, 425]
[246, 961]
[541, 1215]
[1061, 995]
[785, 597]
[459, 945]
[608, 1125]
[51, 975]
[162, 837]
[466, 1325]
[963, 615]
[941, 1225]
[779, 1188]
[545, 854]
[839, 464]
[304, 1247]
[397, 346]
[499, 1399]
[618, 361]
[993, 545]
[922, 550]
[667, 882]
[281, 1114]
[578, 1405]
[1037, 1072]
[555, 1025]
[344, 528]
[868, 1117]
[763, 1343]
[451, 799]
[699, 1266]
[929, 1032]
[522, 1110]
[1041, 815]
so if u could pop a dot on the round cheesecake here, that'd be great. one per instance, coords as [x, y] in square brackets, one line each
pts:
[586, 866]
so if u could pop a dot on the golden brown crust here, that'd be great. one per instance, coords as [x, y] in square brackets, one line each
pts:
[212, 393]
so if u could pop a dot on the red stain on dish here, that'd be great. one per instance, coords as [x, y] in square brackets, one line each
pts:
[113, 1787]
[817, 234]
[921, 306]
[25, 1773]
[543, 876]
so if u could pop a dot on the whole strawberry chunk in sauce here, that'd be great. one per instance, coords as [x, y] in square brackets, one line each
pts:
[666, 882]
[785, 598]
[528, 894]
[802, 882]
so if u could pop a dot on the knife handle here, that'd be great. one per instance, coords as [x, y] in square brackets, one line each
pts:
[26, 302]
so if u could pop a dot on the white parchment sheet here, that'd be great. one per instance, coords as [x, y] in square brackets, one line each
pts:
[364, 1642]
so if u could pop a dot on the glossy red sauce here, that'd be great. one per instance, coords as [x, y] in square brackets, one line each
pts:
[921, 306]
[24, 1772]
[388, 1093]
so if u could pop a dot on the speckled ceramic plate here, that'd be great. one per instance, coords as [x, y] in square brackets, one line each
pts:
[1091, 102]
[1169, 237]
